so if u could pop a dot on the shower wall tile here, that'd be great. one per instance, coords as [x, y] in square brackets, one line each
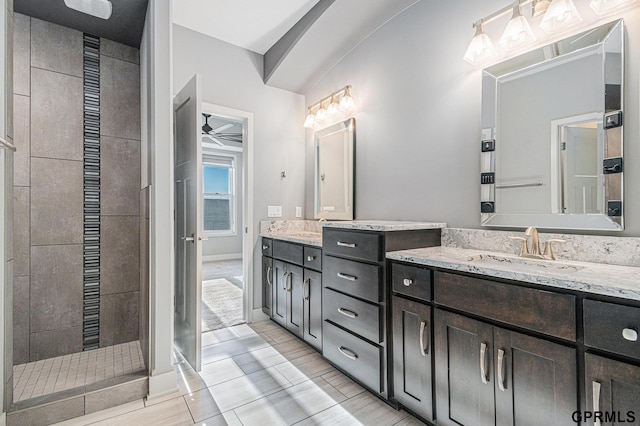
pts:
[119, 254]
[118, 318]
[56, 287]
[56, 48]
[21, 230]
[20, 320]
[22, 140]
[56, 115]
[49, 344]
[119, 51]
[21, 54]
[119, 176]
[56, 202]
[119, 98]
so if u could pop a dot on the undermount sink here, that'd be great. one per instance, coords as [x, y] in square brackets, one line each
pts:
[533, 264]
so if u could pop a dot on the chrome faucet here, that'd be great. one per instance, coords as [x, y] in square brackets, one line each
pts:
[535, 252]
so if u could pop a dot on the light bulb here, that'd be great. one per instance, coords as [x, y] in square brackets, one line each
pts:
[310, 120]
[560, 15]
[602, 7]
[321, 115]
[540, 7]
[332, 109]
[481, 48]
[518, 33]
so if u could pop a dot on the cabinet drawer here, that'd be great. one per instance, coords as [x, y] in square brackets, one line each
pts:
[604, 324]
[360, 317]
[359, 359]
[354, 278]
[267, 247]
[411, 281]
[287, 251]
[356, 245]
[313, 258]
[536, 310]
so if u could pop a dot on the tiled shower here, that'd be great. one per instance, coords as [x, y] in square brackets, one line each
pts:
[78, 205]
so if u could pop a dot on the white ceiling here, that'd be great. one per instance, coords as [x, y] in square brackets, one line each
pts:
[252, 24]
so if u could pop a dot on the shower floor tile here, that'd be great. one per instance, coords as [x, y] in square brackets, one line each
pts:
[79, 369]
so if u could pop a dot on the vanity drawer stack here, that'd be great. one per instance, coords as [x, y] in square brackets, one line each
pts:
[356, 300]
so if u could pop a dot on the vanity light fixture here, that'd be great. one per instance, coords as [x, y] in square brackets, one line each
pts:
[481, 49]
[560, 15]
[602, 7]
[99, 8]
[539, 7]
[518, 33]
[337, 106]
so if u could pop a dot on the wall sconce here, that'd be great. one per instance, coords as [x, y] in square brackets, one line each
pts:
[557, 16]
[337, 106]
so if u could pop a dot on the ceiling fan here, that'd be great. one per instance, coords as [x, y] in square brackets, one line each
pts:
[216, 134]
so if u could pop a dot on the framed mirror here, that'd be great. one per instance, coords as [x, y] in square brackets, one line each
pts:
[334, 171]
[551, 152]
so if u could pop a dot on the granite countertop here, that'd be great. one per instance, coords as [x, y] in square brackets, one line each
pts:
[301, 237]
[383, 225]
[597, 278]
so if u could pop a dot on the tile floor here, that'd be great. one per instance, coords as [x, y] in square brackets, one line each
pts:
[79, 369]
[256, 374]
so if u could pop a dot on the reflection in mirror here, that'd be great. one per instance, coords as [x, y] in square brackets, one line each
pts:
[334, 148]
[555, 116]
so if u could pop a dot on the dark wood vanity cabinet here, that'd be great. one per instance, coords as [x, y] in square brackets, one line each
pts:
[292, 289]
[356, 299]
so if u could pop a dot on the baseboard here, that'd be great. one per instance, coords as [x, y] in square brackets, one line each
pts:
[162, 384]
[258, 315]
[217, 257]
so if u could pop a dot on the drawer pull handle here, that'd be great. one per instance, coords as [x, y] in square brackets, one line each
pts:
[407, 282]
[424, 350]
[349, 354]
[350, 245]
[630, 334]
[348, 313]
[483, 363]
[269, 270]
[311, 258]
[596, 400]
[500, 370]
[264, 247]
[347, 277]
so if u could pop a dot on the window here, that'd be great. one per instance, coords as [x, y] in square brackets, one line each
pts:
[219, 194]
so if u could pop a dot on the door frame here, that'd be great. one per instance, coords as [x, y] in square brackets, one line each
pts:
[248, 229]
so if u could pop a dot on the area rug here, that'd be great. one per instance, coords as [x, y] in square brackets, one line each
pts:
[221, 304]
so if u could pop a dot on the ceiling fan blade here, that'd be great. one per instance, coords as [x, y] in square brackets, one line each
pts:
[221, 128]
[214, 140]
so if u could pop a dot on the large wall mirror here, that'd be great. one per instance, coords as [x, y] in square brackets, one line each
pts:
[551, 152]
[335, 148]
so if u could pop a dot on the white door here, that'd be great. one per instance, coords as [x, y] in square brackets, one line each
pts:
[188, 216]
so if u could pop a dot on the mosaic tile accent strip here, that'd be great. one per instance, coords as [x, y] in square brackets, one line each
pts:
[91, 123]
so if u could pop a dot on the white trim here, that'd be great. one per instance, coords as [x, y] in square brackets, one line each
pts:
[248, 237]
[218, 257]
[258, 315]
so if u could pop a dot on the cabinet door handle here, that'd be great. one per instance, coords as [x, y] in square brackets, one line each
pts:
[289, 281]
[424, 350]
[349, 354]
[284, 280]
[407, 282]
[269, 270]
[307, 288]
[348, 313]
[630, 334]
[347, 277]
[483, 363]
[500, 370]
[596, 400]
[343, 244]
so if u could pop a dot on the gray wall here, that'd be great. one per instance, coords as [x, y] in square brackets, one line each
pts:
[48, 191]
[232, 77]
[418, 131]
